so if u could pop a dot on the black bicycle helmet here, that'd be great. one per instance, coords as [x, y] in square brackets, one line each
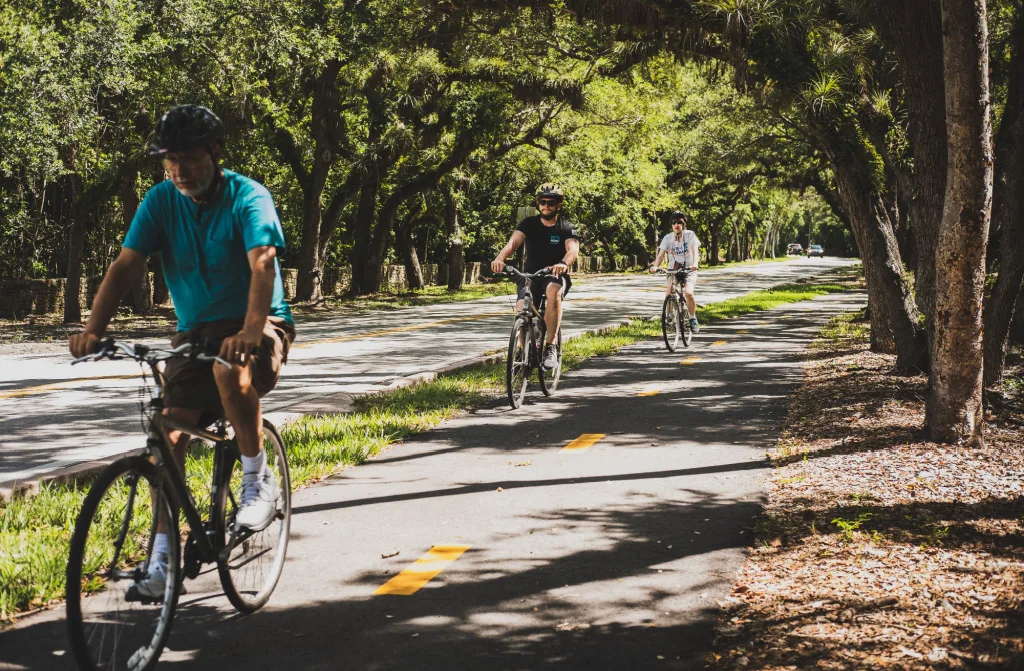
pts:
[550, 190]
[677, 214]
[186, 127]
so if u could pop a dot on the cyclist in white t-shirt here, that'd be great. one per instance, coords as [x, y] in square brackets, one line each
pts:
[682, 246]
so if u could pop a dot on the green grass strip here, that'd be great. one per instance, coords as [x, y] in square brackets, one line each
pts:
[35, 532]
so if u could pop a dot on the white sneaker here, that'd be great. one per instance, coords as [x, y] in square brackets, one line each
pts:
[259, 501]
[153, 586]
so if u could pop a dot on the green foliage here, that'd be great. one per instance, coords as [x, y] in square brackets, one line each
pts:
[425, 98]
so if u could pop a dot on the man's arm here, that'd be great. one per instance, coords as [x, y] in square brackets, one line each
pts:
[695, 255]
[657, 259]
[572, 250]
[261, 291]
[498, 264]
[120, 277]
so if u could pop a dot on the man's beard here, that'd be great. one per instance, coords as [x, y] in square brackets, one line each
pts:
[549, 217]
[200, 189]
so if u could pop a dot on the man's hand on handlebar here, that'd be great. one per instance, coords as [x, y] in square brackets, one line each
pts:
[83, 343]
[558, 269]
[497, 266]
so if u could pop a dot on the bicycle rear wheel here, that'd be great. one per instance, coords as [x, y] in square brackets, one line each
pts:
[517, 363]
[670, 326]
[549, 378]
[111, 549]
[251, 562]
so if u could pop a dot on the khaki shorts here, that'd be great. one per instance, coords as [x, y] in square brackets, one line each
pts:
[190, 384]
[691, 281]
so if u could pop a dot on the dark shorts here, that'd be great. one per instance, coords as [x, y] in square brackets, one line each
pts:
[190, 384]
[539, 287]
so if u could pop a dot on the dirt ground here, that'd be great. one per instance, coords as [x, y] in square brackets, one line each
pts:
[878, 549]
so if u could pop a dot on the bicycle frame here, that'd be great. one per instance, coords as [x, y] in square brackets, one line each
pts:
[158, 449]
[530, 311]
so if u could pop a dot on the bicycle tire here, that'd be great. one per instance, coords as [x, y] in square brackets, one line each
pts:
[685, 327]
[249, 590]
[549, 378]
[98, 509]
[670, 321]
[517, 363]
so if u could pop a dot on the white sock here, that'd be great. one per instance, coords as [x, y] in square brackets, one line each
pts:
[159, 561]
[253, 466]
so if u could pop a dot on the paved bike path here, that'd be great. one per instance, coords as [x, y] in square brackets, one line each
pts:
[55, 415]
[608, 556]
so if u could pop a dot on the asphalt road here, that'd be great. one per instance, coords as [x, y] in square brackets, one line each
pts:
[610, 556]
[53, 415]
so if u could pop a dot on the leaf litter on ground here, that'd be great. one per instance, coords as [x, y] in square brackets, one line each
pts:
[877, 549]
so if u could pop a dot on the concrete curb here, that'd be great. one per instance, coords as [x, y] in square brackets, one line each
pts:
[339, 401]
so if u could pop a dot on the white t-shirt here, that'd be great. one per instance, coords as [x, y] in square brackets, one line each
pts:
[681, 252]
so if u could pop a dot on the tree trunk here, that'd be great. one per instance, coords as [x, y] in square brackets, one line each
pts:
[1008, 213]
[913, 30]
[716, 241]
[308, 285]
[76, 245]
[888, 289]
[161, 295]
[453, 230]
[141, 295]
[407, 249]
[363, 232]
[954, 412]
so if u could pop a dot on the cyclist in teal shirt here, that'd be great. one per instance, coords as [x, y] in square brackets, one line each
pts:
[218, 235]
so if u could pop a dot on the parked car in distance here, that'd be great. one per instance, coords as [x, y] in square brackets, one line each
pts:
[795, 248]
[815, 250]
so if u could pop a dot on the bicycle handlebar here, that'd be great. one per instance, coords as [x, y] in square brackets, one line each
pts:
[679, 271]
[111, 349]
[514, 272]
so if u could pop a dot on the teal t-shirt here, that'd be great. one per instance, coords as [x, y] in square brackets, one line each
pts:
[203, 247]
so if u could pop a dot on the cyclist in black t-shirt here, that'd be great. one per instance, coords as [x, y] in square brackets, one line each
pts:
[551, 242]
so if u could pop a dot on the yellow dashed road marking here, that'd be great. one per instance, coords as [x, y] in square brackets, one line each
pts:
[743, 331]
[57, 386]
[719, 342]
[653, 392]
[584, 441]
[689, 361]
[399, 329]
[423, 570]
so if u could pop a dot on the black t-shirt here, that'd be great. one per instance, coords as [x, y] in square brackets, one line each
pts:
[545, 245]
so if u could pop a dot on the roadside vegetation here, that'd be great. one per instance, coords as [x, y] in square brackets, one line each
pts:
[35, 530]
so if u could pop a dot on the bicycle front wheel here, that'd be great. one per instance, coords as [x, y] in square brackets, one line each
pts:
[517, 363]
[251, 562]
[684, 318]
[549, 378]
[110, 626]
[670, 326]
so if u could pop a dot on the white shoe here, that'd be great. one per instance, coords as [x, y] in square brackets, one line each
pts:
[259, 501]
[153, 586]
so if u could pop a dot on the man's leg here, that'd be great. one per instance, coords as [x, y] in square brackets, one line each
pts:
[691, 303]
[241, 406]
[153, 584]
[553, 314]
